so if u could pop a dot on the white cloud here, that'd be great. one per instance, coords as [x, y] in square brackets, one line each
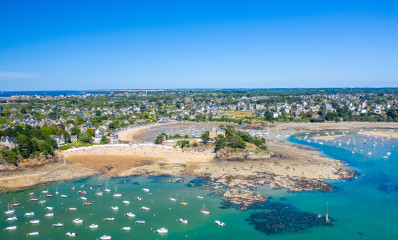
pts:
[17, 75]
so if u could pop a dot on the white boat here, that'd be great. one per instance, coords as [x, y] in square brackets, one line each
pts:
[145, 208]
[388, 153]
[93, 226]
[29, 214]
[58, 225]
[9, 211]
[99, 193]
[162, 230]
[83, 198]
[71, 234]
[11, 219]
[11, 228]
[140, 221]
[385, 157]
[116, 194]
[44, 191]
[199, 197]
[183, 220]
[109, 219]
[139, 198]
[64, 196]
[126, 228]
[126, 202]
[173, 199]
[105, 237]
[72, 209]
[219, 223]
[50, 208]
[78, 220]
[145, 190]
[34, 221]
[115, 208]
[130, 214]
[33, 233]
[42, 201]
[49, 214]
[183, 203]
[107, 190]
[203, 210]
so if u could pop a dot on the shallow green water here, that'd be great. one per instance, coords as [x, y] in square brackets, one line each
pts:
[363, 208]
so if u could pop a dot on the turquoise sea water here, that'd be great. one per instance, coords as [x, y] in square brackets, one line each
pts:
[362, 208]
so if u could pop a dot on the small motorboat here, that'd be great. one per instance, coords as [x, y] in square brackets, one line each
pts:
[199, 197]
[126, 228]
[32, 234]
[93, 226]
[139, 198]
[105, 237]
[115, 208]
[140, 221]
[50, 208]
[49, 215]
[42, 201]
[219, 223]
[71, 234]
[58, 225]
[11, 219]
[107, 190]
[72, 209]
[83, 198]
[44, 191]
[162, 230]
[78, 220]
[33, 199]
[35, 221]
[49, 195]
[145, 190]
[11, 228]
[29, 214]
[130, 214]
[15, 204]
[87, 203]
[117, 195]
[173, 199]
[145, 208]
[109, 219]
[126, 202]
[99, 193]
[64, 196]
[82, 192]
[183, 220]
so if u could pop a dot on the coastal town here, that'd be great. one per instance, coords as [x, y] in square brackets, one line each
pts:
[94, 118]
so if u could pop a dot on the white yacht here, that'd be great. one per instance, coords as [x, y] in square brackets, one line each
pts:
[130, 214]
[162, 230]
[115, 208]
[49, 214]
[78, 220]
[173, 199]
[139, 198]
[140, 221]
[64, 196]
[145, 208]
[11, 228]
[105, 237]
[93, 226]
[109, 219]
[145, 190]
[183, 220]
[11, 219]
[71, 234]
[126, 202]
[126, 228]
[29, 214]
[34, 221]
[32, 234]
[58, 225]
[203, 210]
[219, 223]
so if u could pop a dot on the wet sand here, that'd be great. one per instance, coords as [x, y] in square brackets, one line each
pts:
[380, 134]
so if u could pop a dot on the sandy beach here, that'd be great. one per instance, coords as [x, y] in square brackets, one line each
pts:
[386, 134]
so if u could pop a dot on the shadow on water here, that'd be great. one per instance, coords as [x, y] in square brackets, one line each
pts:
[275, 218]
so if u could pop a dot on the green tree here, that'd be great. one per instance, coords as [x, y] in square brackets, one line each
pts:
[75, 131]
[10, 156]
[90, 132]
[205, 136]
[104, 140]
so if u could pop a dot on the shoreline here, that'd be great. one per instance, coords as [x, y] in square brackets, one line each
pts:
[292, 166]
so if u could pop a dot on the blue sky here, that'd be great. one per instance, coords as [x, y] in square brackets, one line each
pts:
[58, 45]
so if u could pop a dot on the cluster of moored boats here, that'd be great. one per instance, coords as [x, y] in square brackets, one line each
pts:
[12, 211]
